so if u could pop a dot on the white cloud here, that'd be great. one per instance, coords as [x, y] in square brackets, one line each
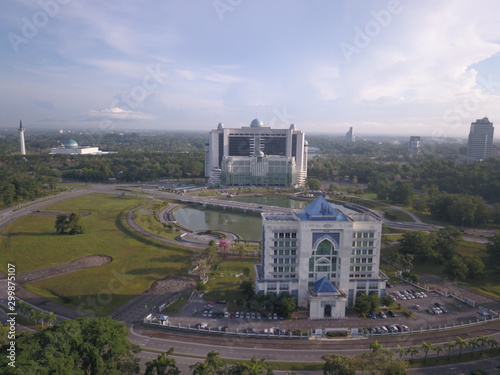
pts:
[119, 114]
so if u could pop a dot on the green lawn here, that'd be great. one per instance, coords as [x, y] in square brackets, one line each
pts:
[224, 282]
[31, 243]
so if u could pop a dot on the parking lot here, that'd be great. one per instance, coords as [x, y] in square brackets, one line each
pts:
[428, 309]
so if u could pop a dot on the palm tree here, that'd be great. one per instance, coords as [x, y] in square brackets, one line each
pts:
[376, 347]
[492, 342]
[51, 318]
[438, 349]
[449, 345]
[461, 343]
[426, 347]
[401, 351]
[412, 351]
[473, 342]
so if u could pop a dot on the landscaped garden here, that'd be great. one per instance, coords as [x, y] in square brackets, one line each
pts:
[31, 242]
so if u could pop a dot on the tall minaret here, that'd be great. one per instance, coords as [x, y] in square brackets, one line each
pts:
[21, 138]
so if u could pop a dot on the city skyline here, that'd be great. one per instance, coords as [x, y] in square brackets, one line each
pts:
[387, 67]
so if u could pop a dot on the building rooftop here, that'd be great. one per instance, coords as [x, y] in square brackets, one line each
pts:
[320, 210]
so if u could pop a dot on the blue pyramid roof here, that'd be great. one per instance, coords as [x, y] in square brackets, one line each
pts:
[320, 209]
[324, 285]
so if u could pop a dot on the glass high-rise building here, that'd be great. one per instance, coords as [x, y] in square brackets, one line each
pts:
[480, 142]
[256, 155]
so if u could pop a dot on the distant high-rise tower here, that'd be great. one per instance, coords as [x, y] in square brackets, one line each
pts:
[480, 139]
[21, 138]
[349, 137]
[414, 147]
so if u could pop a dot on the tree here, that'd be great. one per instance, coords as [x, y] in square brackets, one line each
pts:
[473, 342]
[426, 347]
[314, 183]
[96, 346]
[69, 224]
[336, 364]
[412, 351]
[224, 245]
[61, 224]
[210, 366]
[163, 365]
[253, 367]
[449, 345]
[455, 268]
[475, 266]
[493, 247]
[447, 241]
[438, 349]
[51, 318]
[366, 303]
[461, 343]
[402, 193]
[419, 244]
[376, 347]
[289, 305]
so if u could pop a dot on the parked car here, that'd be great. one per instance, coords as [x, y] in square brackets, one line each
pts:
[382, 315]
[391, 314]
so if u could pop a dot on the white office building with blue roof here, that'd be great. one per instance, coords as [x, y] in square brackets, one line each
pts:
[324, 255]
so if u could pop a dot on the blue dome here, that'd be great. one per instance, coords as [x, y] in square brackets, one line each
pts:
[256, 123]
[71, 143]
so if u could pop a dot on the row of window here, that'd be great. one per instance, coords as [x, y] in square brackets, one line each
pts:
[362, 252]
[363, 235]
[362, 243]
[360, 268]
[284, 260]
[361, 260]
[284, 269]
[285, 243]
[285, 234]
[362, 275]
[284, 276]
[333, 275]
[285, 252]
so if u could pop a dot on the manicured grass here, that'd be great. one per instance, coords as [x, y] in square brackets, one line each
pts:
[31, 243]
[150, 223]
[398, 215]
[223, 283]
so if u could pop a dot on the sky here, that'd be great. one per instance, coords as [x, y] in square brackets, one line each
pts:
[426, 67]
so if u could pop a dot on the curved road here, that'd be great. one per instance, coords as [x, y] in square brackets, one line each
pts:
[283, 351]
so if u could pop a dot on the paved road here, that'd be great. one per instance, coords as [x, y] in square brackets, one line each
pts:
[233, 350]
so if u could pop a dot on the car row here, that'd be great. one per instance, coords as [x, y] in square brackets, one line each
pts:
[393, 328]
[438, 308]
[209, 313]
[408, 294]
[383, 315]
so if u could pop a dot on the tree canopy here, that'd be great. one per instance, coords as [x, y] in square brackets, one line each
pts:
[96, 346]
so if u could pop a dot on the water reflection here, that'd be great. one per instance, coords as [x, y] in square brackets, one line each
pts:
[246, 225]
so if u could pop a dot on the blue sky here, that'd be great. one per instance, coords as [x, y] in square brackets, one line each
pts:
[384, 67]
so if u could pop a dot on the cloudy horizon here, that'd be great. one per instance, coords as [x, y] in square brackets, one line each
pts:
[385, 67]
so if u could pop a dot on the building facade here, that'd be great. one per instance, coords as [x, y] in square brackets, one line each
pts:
[415, 146]
[480, 143]
[324, 255]
[256, 155]
[71, 147]
[349, 137]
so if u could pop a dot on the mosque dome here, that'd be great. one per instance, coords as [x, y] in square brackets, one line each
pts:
[292, 126]
[259, 153]
[71, 143]
[220, 126]
[256, 123]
